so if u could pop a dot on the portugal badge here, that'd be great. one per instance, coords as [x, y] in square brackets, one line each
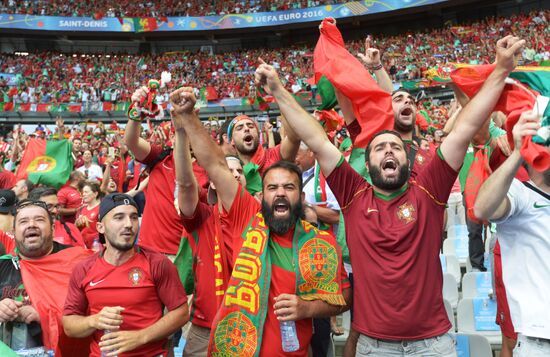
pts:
[135, 276]
[405, 213]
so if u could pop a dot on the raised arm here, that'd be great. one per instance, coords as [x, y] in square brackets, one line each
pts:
[137, 145]
[290, 143]
[208, 154]
[372, 60]
[492, 201]
[299, 120]
[479, 108]
[188, 194]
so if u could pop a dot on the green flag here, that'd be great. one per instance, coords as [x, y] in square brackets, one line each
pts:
[46, 162]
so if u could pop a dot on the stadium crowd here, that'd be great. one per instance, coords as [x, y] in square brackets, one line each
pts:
[157, 9]
[64, 78]
[277, 227]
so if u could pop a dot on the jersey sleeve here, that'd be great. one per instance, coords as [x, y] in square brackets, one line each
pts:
[167, 282]
[201, 214]
[76, 302]
[242, 210]
[153, 154]
[438, 178]
[62, 197]
[345, 183]
[516, 195]
[354, 129]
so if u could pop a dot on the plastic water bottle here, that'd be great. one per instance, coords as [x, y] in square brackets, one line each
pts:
[289, 336]
[104, 354]
[96, 245]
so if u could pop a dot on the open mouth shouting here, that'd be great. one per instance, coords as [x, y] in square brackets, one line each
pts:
[406, 112]
[281, 207]
[32, 235]
[248, 139]
[390, 166]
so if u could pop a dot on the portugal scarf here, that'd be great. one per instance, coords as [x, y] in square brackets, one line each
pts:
[238, 328]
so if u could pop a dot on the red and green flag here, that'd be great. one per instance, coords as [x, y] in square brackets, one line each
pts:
[146, 24]
[531, 82]
[371, 105]
[46, 162]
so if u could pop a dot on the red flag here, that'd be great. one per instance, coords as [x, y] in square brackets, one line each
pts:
[513, 101]
[371, 105]
[211, 93]
[479, 172]
[47, 281]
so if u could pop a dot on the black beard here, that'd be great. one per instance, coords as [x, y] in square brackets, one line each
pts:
[403, 128]
[124, 247]
[281, 226]
[391, 184]
[246, 151]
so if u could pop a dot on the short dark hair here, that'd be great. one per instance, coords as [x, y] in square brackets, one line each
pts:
[223, 130]
[29, 184]
[393, 132]
[40, 192]
[288, 166]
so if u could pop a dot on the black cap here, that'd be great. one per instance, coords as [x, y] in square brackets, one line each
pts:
[113, 200]
[7, 201]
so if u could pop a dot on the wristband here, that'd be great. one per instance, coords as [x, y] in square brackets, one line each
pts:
[376, 68]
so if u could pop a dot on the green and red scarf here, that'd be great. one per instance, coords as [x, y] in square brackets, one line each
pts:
[238, 328]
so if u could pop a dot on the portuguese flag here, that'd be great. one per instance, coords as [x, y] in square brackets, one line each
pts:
[46, 162]
[532, 82]
[371, 105]
[146, 24]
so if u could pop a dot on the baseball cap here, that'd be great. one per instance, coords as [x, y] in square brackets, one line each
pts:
[113, 200]
[110, 202]
[7, 201]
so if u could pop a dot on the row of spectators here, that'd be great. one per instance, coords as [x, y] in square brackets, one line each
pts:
[64, 78]
[159, 8]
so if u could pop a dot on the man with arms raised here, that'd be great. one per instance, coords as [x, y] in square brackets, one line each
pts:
[244, 134]
[118, 295]
[393, 227]
[277, 242]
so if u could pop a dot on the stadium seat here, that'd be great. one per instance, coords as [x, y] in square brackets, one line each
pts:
[452, 266]
[346, 325]
[473, 345]
[465, 322]
[450, 314]
[457, 247]
[450, 290]
[458, 231]
[477, 284]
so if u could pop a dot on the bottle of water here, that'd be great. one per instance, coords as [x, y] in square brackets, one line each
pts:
[104, 354]
[96, 245]
[289, 336]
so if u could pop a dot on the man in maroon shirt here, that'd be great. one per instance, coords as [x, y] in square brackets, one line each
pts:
[69, 197]
[118, 295]
[393, 226]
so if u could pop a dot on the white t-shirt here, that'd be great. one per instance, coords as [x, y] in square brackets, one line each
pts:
[93, 172]
[524, 237]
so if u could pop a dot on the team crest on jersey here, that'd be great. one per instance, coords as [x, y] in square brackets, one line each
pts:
[420, 159]
[135, 275]
[406, 213]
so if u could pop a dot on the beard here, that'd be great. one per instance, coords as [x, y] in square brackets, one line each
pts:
[280, 226]
[121, 246]
[401, 127]
[389, 184]
[242, 149]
